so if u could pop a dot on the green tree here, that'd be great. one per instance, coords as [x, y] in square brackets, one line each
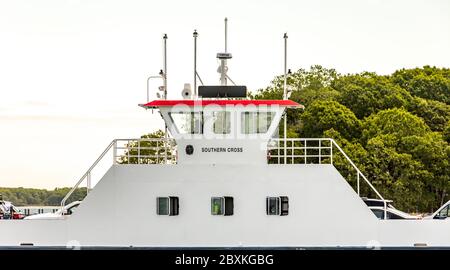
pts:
[435, 114]
[306, 85]
[368, 93]
[147, 151]
[31, 196]
[397, 176]
[397, 122]
[321, 116]
[427, 82]
[434, 154]
[446, 132]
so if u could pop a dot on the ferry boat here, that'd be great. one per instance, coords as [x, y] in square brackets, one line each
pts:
[223, 179]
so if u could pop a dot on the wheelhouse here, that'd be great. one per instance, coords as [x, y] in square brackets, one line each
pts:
[222, 130]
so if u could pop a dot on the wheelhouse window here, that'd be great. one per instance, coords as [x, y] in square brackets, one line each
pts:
[277, 206]
[444, 213]
[167, 206]
[187, 122]
[256, 122]
[221, 122]
[222, 206]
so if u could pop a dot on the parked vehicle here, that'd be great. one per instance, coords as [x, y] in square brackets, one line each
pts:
[377, 207]
[68, 210]
[441, 213]
[391, 213]
[9, 211]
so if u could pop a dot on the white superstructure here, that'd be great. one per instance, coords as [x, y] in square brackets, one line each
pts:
[223, 179]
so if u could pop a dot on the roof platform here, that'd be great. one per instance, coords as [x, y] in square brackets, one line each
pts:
[220, 102]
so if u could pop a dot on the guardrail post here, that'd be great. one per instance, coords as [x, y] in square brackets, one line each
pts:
[128, 151]
[293, 151]
[278, 150]
[115, 152]
[165, 149]
[305, 150]
[357, 182]
[139, 151]
[320, 151]
[88, 182]
[331, 151]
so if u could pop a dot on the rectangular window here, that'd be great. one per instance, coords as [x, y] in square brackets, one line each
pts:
[256, 122]
[222, 206]
[277, 206]
[217, 205]
[221, 122]
[229, 206]
[284, 205]
[167, 206]
[187, 122]
[444, 213]
[273, 206]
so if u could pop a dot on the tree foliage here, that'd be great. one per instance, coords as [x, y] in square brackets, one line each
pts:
[368, 93]
[435, 114]
[324, 115]
[31, 196]
[146, 151]
[427, 82]
[396, 122]
[396, 128]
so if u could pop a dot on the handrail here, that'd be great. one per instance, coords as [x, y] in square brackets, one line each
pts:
[318, 148]
[115, 147]
[363, 176]
[86, 175]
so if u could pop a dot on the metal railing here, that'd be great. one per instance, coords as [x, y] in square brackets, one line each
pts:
[130, 151]
[298, 150]
[313, 151]
[145, 151]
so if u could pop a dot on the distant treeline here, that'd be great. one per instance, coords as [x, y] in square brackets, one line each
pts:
[31, 196]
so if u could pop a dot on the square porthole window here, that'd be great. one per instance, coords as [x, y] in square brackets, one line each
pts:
[167, 206]
[277, 206]
[222, 206]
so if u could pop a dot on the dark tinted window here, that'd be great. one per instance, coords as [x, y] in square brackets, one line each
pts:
[167, 206]
[273, 206]
[229, 206]
[378, 213]
[284, 206]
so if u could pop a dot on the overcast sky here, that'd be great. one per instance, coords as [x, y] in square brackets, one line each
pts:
[72, 72]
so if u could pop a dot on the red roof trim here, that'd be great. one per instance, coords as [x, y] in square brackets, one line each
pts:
[220, 102]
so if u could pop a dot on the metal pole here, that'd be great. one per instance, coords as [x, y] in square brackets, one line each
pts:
[165, 66]
[285, 136]
[285, 94]
[148, 94]
[358, 184]
[223, 61]
[115, 152]
[195, 63]
[331, 151]
[285, 67]
[226, 34]
[88, 183]
[165, 79]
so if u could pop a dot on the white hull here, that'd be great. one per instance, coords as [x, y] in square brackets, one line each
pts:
[324, 211]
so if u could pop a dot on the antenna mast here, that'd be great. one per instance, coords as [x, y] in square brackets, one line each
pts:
[195, 63]
[285, 96]
[223, 57]
[164, 75]
[285, 67]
